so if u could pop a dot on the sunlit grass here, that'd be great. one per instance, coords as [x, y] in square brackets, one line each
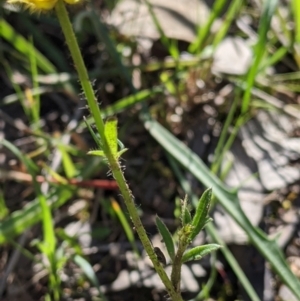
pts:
[272, 45]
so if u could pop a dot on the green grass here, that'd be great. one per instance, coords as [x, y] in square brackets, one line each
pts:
[39, 56]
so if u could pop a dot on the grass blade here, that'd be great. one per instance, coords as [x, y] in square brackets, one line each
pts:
[89, 272]
[31, 214]
[125, 224]
[22, 45]
[259, 50]
[296, 10]
[197, 45]
[125, 103]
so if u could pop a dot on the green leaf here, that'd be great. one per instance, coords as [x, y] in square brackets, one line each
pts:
[22, 45]
[121, 152]
[188, 159]
[167, 237]
[20, 220]
[111, 134]
[30, 165]
[49, 239]
[199, 252]
[95, 137]
[268, 10]
[89, 272]
[185, 213]
[67, 162]
[17, 222]
[97, 153]
[203, 31]
[186, 216]
[207, 220]
[3, 208]
[126, 103]
[125, 224]
[200, 217]
[49, 242]
[213, 233]
[296, 11]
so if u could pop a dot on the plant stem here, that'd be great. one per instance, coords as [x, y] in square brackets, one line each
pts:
[113, 161]
[184, 241]
[176, 268]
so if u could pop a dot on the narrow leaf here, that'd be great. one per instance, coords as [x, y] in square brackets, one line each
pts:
[199, 252]
[8, 33]
[96, 139]
[89, 272]
[125, 224]
[213, 233]
[167, 237]
[3, 208]
[96, 153]
[69, 166]
[121, 152]
[268, 10]
[48, 228]
[30, 165]
[200, 217]
[49, 240]
[207, 220]
[125, 103]
[185, 213]
[20, 220]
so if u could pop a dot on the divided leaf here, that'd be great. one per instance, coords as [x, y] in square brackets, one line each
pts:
[200, 217]
[199, 252]
[167, 237]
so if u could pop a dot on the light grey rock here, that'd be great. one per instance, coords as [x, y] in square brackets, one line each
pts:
[285, 294]
[266, 138]
[81, 230]
[198, 270]
[232, 56]
[177, 19]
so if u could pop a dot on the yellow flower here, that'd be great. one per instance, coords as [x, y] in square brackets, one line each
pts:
[36, 5]
[41, 5]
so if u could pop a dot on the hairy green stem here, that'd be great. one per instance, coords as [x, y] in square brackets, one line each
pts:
[184, 241]
[113, 161]
[176, 268]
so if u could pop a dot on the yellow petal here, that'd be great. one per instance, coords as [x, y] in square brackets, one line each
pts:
[36, 5]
